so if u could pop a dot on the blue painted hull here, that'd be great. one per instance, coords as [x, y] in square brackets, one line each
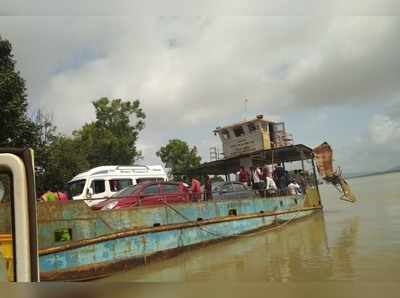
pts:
[125, 238]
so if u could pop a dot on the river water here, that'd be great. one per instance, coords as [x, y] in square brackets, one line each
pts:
[346, 242]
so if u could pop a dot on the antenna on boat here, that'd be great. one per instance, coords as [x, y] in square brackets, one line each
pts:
[245, 108]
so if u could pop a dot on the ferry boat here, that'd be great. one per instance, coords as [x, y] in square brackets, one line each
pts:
[102, 242]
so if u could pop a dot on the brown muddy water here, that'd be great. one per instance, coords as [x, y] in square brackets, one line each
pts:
[345, 242]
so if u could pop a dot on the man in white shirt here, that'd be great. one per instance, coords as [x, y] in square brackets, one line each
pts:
[256, 177]
[271, 186]
[294, 188]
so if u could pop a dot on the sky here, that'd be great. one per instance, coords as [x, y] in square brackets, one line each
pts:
[329, 78]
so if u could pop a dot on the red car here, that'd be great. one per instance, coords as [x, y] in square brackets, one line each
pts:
[146, 194]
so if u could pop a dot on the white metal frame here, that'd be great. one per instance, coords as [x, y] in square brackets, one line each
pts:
[16, 166]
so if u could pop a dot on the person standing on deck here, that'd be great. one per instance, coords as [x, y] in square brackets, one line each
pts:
[49, 196]
[183, 187]
[264, 172]
[244, 176]
[293, 188]
[270, 186]
[207, 188]
[256, 177]
[268, 170]
[262, 176]
[195, 189]
[62, 196]
[301, 181]
[281, 177]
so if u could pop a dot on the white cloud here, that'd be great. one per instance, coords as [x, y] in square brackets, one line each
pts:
[355, 62]
[376, 150]
[205, 7]
[383, 130]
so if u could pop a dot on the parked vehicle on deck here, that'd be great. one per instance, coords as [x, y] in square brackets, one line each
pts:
[102, 182]
[146, 194]
[231, 190]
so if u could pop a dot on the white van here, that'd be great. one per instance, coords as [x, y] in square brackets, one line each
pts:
[101, 182]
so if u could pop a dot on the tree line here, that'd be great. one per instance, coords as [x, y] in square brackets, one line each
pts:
[109, 140]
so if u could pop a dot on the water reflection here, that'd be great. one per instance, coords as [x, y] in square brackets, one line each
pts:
[344, 249]
[292, 253]
[297, 252]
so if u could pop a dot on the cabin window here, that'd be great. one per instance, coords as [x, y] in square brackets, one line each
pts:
[98, 186]
[265, 126]
[118, 184]
[225, 134]
[238, 131]
[279, 127]
[252, 127]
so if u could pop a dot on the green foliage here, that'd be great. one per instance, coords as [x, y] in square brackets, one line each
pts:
[178, 157]
[109, 140]
[57, 158]
[65, 159]
[46, 136]
[16, 129]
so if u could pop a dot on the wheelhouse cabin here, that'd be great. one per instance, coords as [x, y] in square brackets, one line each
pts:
[253, 135]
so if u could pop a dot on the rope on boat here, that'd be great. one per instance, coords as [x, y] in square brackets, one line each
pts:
[286, 222]
[233, 235]
[192, 221]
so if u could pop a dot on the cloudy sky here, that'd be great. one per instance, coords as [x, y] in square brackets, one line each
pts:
[334, 79]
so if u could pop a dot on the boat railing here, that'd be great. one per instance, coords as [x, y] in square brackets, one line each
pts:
[223, 195]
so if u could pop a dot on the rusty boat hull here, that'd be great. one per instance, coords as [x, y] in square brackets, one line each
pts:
[103, 242]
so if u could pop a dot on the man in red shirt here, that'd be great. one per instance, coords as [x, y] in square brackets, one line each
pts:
[195, 189]
[244, 176]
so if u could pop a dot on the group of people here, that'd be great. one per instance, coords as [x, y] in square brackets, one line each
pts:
[53, 195]
[269, 181]
[195, 188]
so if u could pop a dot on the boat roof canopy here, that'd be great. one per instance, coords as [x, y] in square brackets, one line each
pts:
[259, 158]
[259, 118]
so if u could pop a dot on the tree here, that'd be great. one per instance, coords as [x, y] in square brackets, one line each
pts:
[45, 127]
[65, 159]
[111, 139]
[178, 157]
[46, 136]
[57, 158]
[16, 129]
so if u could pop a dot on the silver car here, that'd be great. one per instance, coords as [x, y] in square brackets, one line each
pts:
[231, 190]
